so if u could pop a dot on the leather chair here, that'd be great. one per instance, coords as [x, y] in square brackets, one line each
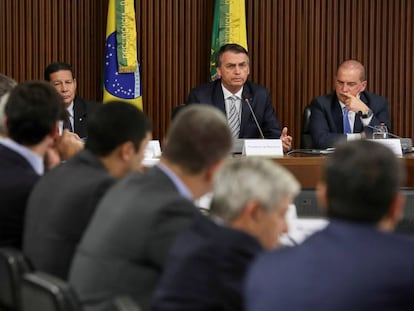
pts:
[13, 265]
[306, 138]
[41, 291]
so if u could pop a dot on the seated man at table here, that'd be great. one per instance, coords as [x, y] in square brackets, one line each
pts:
[124, 248]
[232, 94]
[348, 113]
[356, 262]
[207, 264]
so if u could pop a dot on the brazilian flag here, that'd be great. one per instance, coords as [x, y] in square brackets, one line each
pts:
[229, 26]
[122, 79]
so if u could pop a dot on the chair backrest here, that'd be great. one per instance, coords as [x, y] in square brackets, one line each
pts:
[13, 265]
[306, 138]
[41, 291]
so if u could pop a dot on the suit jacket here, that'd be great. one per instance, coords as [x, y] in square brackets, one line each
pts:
[56, 217]
[212, 94]
[124, 248]
[17, 178]
[82, 110]
[346, 266]
[205, 269]
[326, 122]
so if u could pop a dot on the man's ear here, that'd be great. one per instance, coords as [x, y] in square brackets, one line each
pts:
[126, 150]
[212, 169]
[364, 86]
[396, 211]
[55, 131]
[322, 195]
[248, 217]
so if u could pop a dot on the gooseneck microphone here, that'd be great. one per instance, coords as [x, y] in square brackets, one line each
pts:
[247, 101]
[388, 133]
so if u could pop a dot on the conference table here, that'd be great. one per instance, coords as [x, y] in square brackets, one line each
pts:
[308, 168]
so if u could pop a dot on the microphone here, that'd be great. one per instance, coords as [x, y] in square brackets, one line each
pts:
[247, 101]
[406, 143]
[388, 133]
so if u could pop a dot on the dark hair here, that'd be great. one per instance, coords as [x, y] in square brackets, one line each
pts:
[113, 124]
[32, 111]
[233, 47]
[54, 67]
[362, 179]
[198, 137]
[6, 84]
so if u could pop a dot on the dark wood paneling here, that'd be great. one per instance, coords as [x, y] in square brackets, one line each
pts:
[295, 47]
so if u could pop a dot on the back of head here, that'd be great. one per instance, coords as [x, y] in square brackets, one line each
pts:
[198, 137]
[232, 47]
[113, 124]
[57, 66]
[362, 179]
[250, 179]
[32, 111]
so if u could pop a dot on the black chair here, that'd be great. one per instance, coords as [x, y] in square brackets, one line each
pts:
[13, 265]
[306, 138]
[43, 292]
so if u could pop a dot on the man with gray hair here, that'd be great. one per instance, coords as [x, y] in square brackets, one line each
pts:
[207, 264]
[123, 251]
[6, 85]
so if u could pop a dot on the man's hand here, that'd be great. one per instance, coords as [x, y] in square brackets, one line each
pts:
[355, 104]
[68, 145]
[286, 140]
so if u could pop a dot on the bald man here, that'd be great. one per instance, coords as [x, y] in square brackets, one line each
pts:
[350, 111]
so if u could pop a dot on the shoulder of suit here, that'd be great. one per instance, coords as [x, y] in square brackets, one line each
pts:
[371, 97]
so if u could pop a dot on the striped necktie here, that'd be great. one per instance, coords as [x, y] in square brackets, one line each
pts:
[233, 118]
[347, 126]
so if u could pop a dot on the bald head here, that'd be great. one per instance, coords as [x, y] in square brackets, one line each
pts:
[351, 64]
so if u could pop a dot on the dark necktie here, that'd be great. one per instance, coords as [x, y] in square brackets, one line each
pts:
[67, 125]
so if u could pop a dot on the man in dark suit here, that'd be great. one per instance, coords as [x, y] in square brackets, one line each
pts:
[32, 112]
[61, 76]
[124, 248]
[356, 262]
[350, 111]
[56, 220]
[232, 93]
[207, 263]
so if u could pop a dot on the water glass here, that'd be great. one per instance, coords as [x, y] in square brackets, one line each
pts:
[380, 132]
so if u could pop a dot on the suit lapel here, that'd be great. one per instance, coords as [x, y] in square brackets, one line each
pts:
[336, 113]
[218, 96]
[79, 118]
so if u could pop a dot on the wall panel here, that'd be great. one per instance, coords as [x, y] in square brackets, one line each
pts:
[295, 47]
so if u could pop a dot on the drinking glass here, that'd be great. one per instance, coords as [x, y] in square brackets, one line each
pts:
[380, 132]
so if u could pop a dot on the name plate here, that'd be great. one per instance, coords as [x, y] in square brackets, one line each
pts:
[153, 149]
[263, 147]
[393, 143]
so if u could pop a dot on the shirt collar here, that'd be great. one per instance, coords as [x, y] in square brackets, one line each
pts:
[35, 160]
[181, 187]
[228, 94]
[70, 109]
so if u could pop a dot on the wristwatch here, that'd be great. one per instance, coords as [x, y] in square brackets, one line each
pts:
[367, 114]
